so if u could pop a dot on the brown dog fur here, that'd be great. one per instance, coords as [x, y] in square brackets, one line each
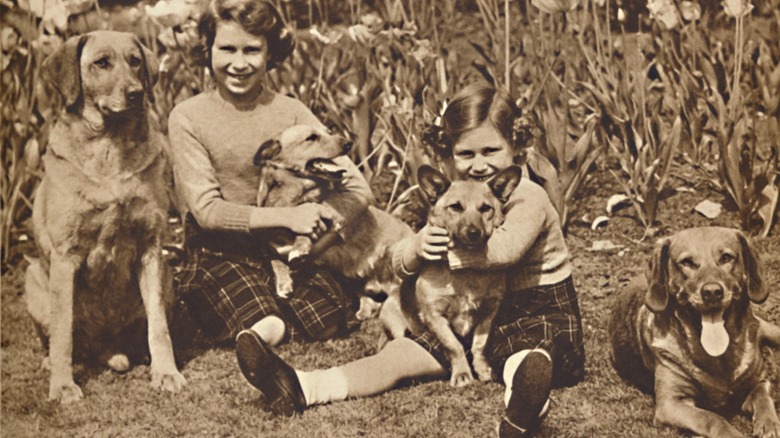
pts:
[297, 168]
[657, 338]
[463, 301]
[99, 215]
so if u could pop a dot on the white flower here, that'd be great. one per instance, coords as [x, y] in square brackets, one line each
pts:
[737, 8]
[691, 11]
[621, 15]
[360, 33]
[664, 12]
[169, 13]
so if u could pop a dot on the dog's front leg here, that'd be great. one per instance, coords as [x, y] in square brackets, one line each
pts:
[164, 372]
[283, 277]
[481, 333]
[674, 406]
[301, 248]
[761, 405]
[440, 327]
[61, 282]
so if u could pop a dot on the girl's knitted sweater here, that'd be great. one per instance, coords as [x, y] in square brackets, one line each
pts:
[213, 143]
[529, 245]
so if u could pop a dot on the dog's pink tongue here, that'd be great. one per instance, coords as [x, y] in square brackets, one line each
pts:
[714, 337]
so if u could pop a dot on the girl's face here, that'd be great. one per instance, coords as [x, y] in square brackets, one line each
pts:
[238, 59]
[481, 153]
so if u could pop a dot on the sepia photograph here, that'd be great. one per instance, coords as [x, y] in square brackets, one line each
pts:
[390, 218]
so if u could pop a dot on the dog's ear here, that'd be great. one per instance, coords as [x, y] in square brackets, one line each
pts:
[151, 70]
[267, 151]
[63, 71]
[504, 183]
[657, 297]
[752, 268]
[432, 183]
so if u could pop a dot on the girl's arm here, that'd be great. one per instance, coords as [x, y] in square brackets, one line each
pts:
[526, 219]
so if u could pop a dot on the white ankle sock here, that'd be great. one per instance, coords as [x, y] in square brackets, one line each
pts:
[323, 386]
[510, 366]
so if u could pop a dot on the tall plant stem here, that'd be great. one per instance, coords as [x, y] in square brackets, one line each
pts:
[735, 89]
[507, 50]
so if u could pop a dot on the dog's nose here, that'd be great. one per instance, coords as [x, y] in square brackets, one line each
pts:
[712, 292]
[134, 95]
[474, 234]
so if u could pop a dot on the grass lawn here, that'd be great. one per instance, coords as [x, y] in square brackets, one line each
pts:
[218, 402]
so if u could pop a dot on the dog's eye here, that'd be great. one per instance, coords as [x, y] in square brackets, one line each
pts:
[726, 258]
[485, 208]
[456, 207]
[313, 137]
[101, 63]
[688, 263]
[134, 61]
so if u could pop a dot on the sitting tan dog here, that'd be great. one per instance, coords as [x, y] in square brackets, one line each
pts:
[298, 167]
[460, 302]
[99, 215]
[689, 334]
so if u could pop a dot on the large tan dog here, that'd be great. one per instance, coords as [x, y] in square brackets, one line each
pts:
[689, 334]
[298, 167]
[461, 301]
[99, 215]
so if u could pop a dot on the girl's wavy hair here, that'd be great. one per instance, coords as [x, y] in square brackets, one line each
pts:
[257, 17]
[469, 108]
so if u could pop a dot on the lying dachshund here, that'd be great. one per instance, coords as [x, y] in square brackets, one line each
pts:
[689, 334]
[99, 215]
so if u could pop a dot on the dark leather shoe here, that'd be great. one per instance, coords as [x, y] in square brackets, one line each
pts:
[530, 392]
[270, 374]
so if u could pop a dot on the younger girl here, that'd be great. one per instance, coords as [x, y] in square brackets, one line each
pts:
[227, 281]
[536, 342]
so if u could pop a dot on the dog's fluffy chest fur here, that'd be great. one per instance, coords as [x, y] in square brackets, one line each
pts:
[722, 381]
[461, 296]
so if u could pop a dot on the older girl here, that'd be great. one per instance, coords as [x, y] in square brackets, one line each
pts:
[536, 342]
[227, 281]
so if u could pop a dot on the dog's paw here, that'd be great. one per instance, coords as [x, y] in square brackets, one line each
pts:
[368, 309]
[482, 368]
[459, 380]
[766, 428]
[66, 393]
[461, 374]
[171, 382]
[284, 286]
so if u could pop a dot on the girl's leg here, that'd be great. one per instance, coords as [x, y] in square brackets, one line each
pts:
[528, 379]
[401, 358]
[288, 391]
[271, 329]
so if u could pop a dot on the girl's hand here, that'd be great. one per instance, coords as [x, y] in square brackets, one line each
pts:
[312, 219]
[431, 243]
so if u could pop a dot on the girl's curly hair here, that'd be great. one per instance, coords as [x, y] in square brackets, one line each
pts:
[257, 17]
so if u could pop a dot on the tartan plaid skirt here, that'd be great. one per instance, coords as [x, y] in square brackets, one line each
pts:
[227, 290]
[546, 317]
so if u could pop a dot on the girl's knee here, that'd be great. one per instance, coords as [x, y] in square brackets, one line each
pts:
[271, 329]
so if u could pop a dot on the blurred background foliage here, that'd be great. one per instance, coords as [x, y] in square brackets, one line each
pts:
[632, 87]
